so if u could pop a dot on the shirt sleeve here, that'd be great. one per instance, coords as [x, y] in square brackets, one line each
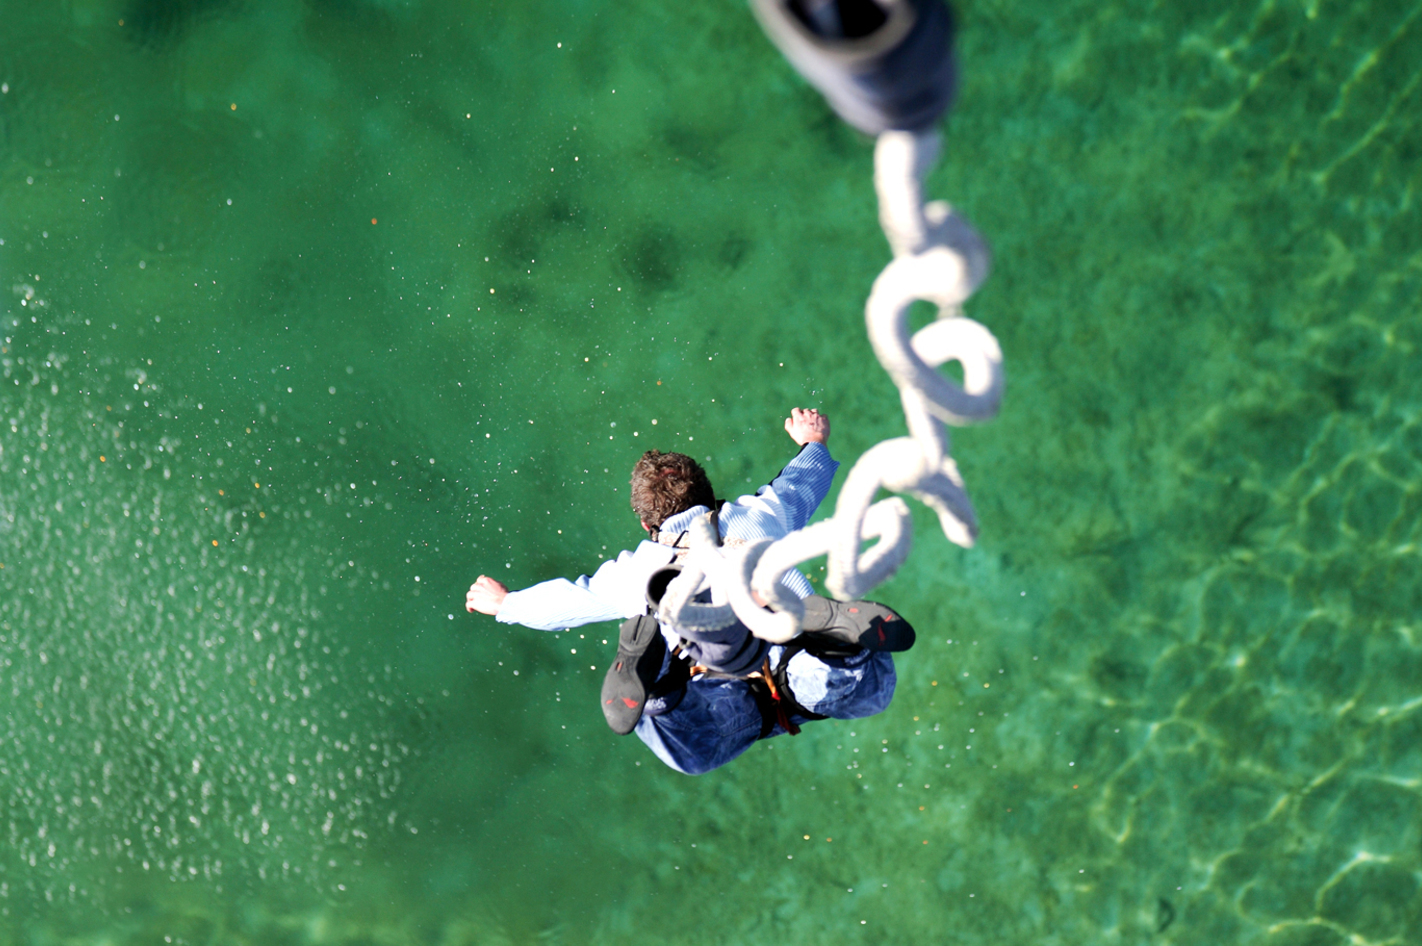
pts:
[794, 495]
[617, 590]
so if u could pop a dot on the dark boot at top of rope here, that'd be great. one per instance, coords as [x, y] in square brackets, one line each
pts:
[881, 64]
[866, 624]
[640, 650]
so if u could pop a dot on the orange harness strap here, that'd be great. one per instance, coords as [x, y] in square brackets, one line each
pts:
[777, 708]
[781, 716]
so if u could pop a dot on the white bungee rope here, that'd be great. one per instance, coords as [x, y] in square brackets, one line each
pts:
[938, 258]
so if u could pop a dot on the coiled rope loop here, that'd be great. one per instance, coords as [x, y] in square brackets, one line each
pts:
[938, 258]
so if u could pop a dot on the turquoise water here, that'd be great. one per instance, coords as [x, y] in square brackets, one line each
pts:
[313, 311]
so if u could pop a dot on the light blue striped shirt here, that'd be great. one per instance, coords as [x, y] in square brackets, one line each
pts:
[617, 590]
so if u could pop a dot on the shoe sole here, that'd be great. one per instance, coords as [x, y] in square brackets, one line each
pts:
[624, 688]
[866, 624]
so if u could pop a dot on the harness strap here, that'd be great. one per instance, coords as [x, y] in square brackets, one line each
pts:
[714, 515]
[682, 544]
[785, 699]
[770, 688]
[781, 716]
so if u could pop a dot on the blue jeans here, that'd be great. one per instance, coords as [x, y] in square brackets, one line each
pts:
[718, 719]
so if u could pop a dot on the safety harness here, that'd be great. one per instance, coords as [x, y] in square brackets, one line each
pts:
[769, 686]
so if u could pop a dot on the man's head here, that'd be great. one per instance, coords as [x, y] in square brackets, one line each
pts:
[664, 484]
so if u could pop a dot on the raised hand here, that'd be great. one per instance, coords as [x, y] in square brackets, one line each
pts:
[807, 426]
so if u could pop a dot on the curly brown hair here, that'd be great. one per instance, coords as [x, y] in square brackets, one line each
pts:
[664, 484]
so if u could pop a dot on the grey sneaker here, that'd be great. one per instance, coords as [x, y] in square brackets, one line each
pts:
[864, 624]
[640, 649]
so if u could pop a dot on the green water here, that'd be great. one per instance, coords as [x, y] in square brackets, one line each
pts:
[315, 309]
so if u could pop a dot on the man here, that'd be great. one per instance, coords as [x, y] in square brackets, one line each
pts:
[698, 699]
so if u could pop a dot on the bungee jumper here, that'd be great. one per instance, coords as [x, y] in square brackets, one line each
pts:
[724, 641]
[700, 698]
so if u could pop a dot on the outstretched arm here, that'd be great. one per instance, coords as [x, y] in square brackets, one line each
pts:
[788, 501]
[615, 591]
[554, 605]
